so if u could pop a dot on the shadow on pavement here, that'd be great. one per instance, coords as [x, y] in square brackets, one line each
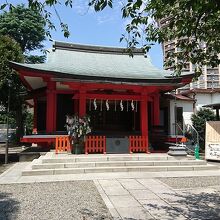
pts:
[201, 206]
[9, 207]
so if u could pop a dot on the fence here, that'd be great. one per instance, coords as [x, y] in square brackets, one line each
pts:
[138, 144]
[95, 144]
[62, 144]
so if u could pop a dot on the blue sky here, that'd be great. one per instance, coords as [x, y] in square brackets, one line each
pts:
[95, 28]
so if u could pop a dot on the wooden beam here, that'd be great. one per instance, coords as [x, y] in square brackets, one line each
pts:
[109, 97]
[25, 83]
[94, 86]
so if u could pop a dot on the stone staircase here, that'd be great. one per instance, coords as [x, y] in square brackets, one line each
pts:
[52, 164]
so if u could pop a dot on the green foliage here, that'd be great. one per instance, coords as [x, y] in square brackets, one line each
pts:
[44, 9]
[11, 120]
[9, 80]
[35, 59]
[10, 51]
[196, 23]
[25, 25]
[28, 121]
[199, 120]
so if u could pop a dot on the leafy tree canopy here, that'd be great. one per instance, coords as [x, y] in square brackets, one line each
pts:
[10, 51]
[25, 30]
[196, 23]
[25, 25]
[35, 59]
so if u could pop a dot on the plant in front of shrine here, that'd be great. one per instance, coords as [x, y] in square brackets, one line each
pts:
[77, 128]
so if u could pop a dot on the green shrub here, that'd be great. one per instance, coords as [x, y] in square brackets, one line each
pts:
[199, 119]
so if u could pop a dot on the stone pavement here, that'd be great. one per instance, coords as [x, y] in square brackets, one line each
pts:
[141, 195]
[150, 199]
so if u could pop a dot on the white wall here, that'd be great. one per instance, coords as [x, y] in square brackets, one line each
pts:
[187, 113]
[201, 100]
[206, 99]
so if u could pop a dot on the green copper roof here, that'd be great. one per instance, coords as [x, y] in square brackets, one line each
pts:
[95, 61]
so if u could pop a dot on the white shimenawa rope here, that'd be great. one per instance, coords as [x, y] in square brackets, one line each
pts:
[107, 105]
[121, 105]
[132, 105]
[94, 103]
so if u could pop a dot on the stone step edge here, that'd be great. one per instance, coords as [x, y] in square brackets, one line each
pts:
[123, 163]
[117, 169]
[105, 159]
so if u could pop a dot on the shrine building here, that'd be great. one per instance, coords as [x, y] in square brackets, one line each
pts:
[121, 94]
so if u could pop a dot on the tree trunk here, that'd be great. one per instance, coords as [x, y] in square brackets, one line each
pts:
[19, 123]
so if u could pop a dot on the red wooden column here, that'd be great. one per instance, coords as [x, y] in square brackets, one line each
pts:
[156, 109]
[82, 103]
[35, 114]
[144, 115]
[51, 107]
[76, 106]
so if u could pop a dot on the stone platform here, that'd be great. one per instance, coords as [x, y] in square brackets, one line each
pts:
[59, 164]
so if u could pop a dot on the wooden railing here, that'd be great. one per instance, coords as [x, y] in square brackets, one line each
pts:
[95, 144]
[62, 143]
[138, 144]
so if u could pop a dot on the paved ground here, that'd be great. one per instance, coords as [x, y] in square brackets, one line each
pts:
[4, 167]
[78, 200]
[191, 182]
[13, 149]
[151, 199]
[128, 196]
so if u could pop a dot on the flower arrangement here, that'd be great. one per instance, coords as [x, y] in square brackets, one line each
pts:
[77, 127]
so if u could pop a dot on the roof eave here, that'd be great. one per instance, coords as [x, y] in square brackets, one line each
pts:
[165, 81]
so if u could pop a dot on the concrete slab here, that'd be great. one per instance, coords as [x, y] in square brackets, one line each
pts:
[138, 213]
[130, 184]
[124, 201]
[115, 191]
[161, 189]
[112, 210]
[148, 182]
[162, 210]
[110, 182]
[172, 198]
[143, 194]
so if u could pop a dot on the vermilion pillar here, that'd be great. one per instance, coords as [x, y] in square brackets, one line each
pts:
[156, 109]
[144, 116]
[82, 103]
[51, 107]
[76, 106]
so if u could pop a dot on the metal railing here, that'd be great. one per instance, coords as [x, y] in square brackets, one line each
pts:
[194, 133]
[190, 133]
[177, 129]
[193, 137]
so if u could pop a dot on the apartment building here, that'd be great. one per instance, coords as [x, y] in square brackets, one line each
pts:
[210, 78]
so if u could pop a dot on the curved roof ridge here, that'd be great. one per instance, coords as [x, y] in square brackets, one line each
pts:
[95, 48]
